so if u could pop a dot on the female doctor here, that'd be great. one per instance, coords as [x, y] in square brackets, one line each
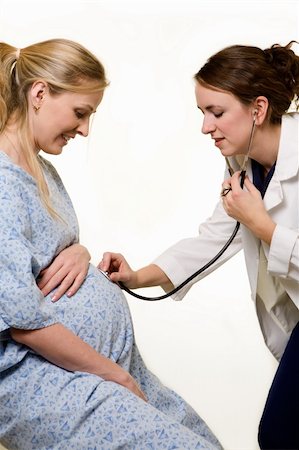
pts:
[245, 93]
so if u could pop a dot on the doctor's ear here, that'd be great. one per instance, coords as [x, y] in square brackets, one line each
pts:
[260, 109]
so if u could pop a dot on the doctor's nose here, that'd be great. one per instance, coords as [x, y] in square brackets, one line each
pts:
[208, 125]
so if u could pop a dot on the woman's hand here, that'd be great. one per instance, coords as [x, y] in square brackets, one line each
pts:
[247, 207]
[62, 347]
[130, 383]
[66, 273]
[118, 269]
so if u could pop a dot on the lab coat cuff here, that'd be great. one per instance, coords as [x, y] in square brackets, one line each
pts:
[175, 273]
[280, 254]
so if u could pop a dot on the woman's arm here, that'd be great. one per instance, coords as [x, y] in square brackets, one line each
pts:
[63, 348]
[181, 260]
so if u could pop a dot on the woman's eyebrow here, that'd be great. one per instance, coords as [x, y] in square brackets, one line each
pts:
[87, 106]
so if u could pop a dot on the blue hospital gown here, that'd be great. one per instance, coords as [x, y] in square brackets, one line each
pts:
[43, 406]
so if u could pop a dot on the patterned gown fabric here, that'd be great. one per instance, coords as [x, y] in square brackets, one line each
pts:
[44, 406]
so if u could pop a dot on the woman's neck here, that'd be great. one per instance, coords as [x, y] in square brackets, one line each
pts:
[266, 145]
[9, 144]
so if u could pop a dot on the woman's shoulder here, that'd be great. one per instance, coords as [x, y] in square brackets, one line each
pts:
[50, 171]
[12, 176]
[14, 184]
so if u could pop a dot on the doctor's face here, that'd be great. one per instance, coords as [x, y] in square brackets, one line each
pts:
[226, 119]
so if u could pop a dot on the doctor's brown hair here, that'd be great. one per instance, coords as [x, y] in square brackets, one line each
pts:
[248, 72]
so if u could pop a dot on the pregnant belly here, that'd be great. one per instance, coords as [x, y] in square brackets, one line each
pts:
[99, 314]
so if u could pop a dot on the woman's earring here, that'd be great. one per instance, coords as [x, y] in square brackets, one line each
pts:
[36, 108]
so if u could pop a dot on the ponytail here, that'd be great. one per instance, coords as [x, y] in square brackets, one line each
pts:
[8, 88]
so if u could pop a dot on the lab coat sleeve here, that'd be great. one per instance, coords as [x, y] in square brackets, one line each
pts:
[187, 256]
[283, 258]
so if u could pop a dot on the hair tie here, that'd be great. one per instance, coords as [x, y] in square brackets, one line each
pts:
[15, 61]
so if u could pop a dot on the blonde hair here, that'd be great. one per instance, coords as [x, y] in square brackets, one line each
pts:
[64, 65]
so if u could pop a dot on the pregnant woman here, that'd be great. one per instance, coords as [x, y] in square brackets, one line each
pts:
[71, 376]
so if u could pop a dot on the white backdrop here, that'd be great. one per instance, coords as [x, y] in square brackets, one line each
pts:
[140, 181]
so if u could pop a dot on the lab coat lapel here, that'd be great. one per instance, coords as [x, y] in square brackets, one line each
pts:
[274, 195]
[287, 162]
[252, 245]
[286, 167]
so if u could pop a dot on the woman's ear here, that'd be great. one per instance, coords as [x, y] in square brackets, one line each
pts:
[260, 109]
[37, 93]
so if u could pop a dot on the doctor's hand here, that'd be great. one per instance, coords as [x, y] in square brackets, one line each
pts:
[247, 207]
[118, 269]
[66, 272]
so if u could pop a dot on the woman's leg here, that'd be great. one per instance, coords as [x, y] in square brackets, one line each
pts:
[60, 410]
[51, 408]
[167, 401]
[279, 426]
[100, 315]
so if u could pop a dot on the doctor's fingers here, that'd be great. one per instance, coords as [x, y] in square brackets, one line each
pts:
[226, 187]
[106, 261]
[250, 186]
[236, 182]
[226, 183]
[249, 190]
[112, 262]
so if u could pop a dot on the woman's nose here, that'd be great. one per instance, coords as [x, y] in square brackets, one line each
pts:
[83, 128]
[208, 125]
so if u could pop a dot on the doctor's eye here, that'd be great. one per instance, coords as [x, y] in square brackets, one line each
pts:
[79, 114]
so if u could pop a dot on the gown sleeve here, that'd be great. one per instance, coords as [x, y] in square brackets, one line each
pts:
[22, 304]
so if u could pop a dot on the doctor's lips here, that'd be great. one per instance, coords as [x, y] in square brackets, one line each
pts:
[218, 141]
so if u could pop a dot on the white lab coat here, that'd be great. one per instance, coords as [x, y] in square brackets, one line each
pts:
[273, 271]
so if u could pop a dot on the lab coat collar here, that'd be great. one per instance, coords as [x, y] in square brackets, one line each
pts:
[287, 160]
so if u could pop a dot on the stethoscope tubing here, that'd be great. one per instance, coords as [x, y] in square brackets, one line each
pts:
[219, 254]
[195, 274]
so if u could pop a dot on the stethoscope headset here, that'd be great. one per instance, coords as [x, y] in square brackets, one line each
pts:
[227, 244]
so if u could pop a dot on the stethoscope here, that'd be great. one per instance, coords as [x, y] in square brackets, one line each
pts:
[227, 244]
